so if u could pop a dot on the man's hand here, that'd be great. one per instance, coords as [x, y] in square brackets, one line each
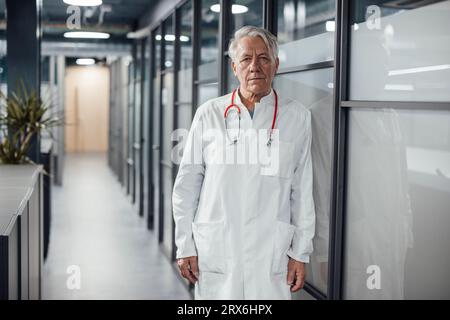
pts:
[296, 274]
[189, 268]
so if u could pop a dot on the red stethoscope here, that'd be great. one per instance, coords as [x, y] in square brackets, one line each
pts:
[233, 105]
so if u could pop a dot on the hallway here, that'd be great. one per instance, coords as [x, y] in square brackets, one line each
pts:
[95, 227]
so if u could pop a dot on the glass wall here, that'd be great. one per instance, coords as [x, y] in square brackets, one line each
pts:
[397, 218]
[397, 205]
[400, 54]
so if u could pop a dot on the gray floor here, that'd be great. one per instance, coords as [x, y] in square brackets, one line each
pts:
[96, 231]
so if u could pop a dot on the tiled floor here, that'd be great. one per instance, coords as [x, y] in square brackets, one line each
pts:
[96, 230]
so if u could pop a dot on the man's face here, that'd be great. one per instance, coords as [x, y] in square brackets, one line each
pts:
[254, 67]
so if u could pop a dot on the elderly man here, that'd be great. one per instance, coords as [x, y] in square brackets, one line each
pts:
[244, 230]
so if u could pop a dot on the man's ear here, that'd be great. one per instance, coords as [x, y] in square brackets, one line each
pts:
[277, 64]
[233, 67]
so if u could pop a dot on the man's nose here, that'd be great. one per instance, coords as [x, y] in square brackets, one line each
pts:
[254, 65]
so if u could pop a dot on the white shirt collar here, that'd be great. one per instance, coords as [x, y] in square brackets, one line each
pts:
[268, 99]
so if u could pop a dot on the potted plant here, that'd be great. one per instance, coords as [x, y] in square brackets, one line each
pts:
[23, 115]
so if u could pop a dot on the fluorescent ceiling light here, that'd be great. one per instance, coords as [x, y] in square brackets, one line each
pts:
[171, 37]
[84, 3]
[168, 64]
[86, 34]
[235, 8]
[184, 38]
[419, 70]
[85, 61]
[330, 26]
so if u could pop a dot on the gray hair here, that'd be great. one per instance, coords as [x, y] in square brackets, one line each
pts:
[250, 31]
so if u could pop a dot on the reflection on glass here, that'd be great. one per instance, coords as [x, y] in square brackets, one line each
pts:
[206, 92]
[306, 31]
[397, 218]
[403, 56]
[314, 90]
[169, 38]
[209, 31]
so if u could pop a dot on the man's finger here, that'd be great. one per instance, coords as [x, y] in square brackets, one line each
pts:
[194, 267]
[290, 276]
[299, 281]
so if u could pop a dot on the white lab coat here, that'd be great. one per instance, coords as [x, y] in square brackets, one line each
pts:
[242, 222]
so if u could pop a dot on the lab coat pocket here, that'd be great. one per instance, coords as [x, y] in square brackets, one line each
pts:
[210, 242]
[277, 161]
[282, 242]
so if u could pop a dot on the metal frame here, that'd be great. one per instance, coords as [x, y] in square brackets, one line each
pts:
[151, 188]
[413, 105]
[161, 147]
[224, 30]
[339, 152]
[141, 129]
[270, 18]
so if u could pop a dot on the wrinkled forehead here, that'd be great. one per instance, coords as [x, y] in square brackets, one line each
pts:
[251, 45]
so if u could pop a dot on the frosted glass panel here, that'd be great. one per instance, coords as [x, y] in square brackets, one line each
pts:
[185, 85]
[398, 200]
[306, 31]
[315, 49]
[314, 90]
[207, 92]
[400, 53]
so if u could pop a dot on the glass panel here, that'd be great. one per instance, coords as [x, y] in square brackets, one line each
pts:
[306, 26]
[167, 110]
[138, 61]
[169, 38]
[403, 56]
[233, 81]
[207, 92]
[185, 73]
[314, 90]
[157, 58]
[187, 14]
[209, 32]
[246, 13]
[398, 200]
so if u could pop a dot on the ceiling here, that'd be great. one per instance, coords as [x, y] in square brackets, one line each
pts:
[116, 17]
